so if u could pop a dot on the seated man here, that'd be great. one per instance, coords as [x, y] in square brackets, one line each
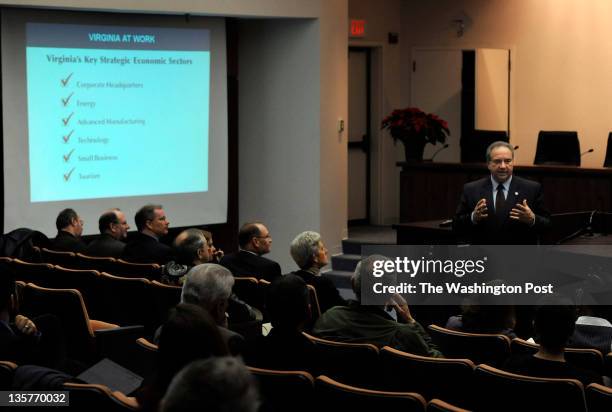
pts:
[554, 322]
[357, 323]
[285, 347]
[310, 254]
[593, 329]
[255, 241]
[191, 249]
[214, 384]
[209, 286]
[145, 246]
[69, 229]
[113, 231]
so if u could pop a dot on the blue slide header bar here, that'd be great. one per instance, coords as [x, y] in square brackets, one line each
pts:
[116, 37]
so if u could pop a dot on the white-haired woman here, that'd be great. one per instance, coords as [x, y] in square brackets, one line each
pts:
[310, 254]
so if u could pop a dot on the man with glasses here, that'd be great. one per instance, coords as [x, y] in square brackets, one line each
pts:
[255, 241]
[501, 208]
[69, 229]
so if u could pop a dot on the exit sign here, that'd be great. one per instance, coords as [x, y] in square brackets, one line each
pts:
[358, 28]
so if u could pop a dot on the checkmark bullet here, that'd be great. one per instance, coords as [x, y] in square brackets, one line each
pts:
[67, 137]
[67, 100]
[66, 80]
[67, 156]
[67, 175]
[67, 119]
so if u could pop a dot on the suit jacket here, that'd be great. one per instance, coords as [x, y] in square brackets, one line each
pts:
[105, 246]
[67, 242]
[245, 263]
[327, 293]
[146, 249]
[494, 230]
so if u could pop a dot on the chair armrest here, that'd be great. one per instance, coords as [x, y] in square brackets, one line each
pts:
[112, 343]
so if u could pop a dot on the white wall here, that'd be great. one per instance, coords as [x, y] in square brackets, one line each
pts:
[383, 17]
[293, 161]
[561, 61]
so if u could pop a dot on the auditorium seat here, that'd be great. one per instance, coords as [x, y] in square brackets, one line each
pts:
[247, 288]
[584, 358]
[284, 390]
[497, 390]
[598, 398]
[93, 397]
[129, 301]
[57, 257]
[165, 297]
[437, 405]
[352, 363]
[144, 358]
[557, 148]
[122, 268]
[492, 349]
[85, 281]
[7, 371]
[315, 308]
[101, 264]
[335, 396]
[448, 379]
[36, 273]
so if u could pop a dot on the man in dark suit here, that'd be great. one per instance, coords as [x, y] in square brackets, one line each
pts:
[501, 208]
[113, 228]
[255, 241]
[145, 246]
[69, 229]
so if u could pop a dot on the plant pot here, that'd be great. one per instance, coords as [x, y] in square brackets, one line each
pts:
[414, 148]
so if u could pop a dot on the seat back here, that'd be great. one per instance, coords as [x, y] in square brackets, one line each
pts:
[69, 307]
[122, 268]
[557, 148]
[247, 289]
[85, 281]
[165, 297]
[491, 349]
[129, 301]
[101, 264]
[353, 363]
[284, 390]
[584, 358]
[7, 372]
[437, 405]
[333, 395]
[448, 379]
[58, 257]
[503, 391]
[94, 397]
[598, 398]
[314, 303]
[474, 145]
[37, 273]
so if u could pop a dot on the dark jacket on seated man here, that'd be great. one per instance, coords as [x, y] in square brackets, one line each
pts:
[146, 249]
[105, 246]
[244, 263]
[67, 242]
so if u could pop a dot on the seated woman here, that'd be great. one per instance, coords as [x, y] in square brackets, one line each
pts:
[189, 334]
[485, 315]
[554, 322]
[310, 254]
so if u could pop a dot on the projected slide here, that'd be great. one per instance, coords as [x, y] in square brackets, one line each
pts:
[116, 111]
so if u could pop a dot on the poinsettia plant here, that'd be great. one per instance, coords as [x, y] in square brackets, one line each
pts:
[413, 123]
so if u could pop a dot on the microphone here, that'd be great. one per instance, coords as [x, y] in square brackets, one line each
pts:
[588, 151]
[436, 153]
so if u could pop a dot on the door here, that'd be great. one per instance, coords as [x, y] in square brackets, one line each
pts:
[359, 136]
